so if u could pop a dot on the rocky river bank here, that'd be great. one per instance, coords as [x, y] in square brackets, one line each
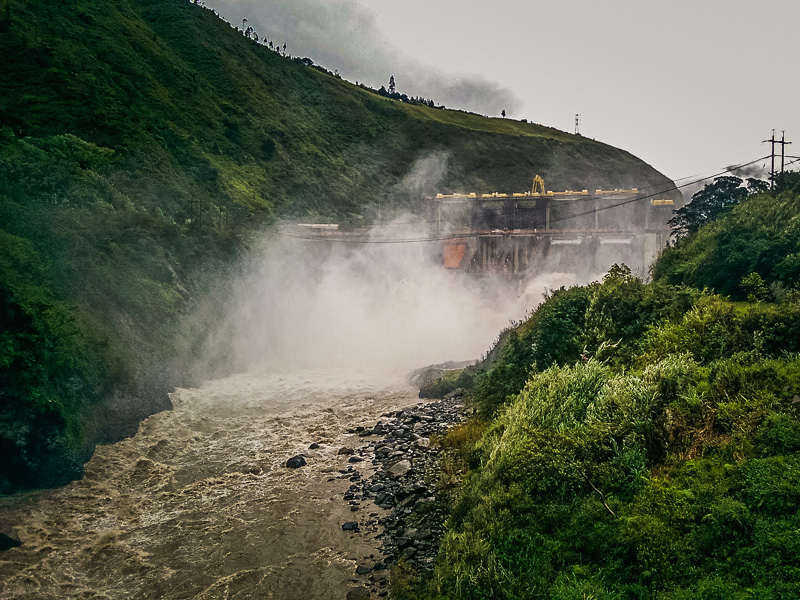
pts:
[406, 470]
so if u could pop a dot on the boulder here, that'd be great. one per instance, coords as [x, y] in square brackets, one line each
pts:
[296, 462]
[8, 541]
[399, 469]
[360, 593]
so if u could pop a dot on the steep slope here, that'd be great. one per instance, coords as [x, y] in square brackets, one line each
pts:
[142, 143]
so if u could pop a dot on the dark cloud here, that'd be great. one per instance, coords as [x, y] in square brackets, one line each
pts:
[756, 171]
[344, 36]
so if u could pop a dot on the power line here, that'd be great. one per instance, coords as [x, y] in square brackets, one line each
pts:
[476, 234]
[389, 241]
[672, 189]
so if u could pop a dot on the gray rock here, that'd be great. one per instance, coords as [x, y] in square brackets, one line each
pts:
[399, 469]
[8, 541]
[350, 526]
[360, 593]
[296, 462]
[362, 569]
[424, 535]
[345, 451]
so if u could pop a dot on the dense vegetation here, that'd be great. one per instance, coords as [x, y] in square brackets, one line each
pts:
[641, 441]
[143, 144]
[754, 251]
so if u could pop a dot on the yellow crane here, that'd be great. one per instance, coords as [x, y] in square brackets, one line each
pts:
[538, 185]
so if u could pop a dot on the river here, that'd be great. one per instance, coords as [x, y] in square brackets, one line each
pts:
[199, 503]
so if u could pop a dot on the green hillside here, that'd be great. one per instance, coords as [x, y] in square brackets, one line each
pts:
[143, 145]
[639, 440]
[753, 251]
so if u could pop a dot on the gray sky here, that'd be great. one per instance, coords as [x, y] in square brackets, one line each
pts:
[688, 86]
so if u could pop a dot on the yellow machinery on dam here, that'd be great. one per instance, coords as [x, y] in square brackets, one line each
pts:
[515, 233]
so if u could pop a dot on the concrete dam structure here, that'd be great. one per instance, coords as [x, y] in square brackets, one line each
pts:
[521, 235]
[527, 233]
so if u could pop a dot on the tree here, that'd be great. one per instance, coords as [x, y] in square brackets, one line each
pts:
[391, 84]
[5, 20]
[711, 202]
[788, 181]
[503, 113]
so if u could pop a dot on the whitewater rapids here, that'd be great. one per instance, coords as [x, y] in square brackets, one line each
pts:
[199, 504]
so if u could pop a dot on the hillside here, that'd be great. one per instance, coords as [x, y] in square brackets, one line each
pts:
[143, 145]
[754, 250]
[638, 440]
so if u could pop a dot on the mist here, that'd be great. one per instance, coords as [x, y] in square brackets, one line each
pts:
[311, 296]
[756, 171]
[306, 304]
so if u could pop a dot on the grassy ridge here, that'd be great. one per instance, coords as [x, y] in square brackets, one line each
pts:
[640, 440]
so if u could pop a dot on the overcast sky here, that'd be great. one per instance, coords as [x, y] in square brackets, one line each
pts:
[690, 86]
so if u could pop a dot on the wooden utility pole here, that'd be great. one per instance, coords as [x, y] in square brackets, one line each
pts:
[772, 141]
[783, 143]
[772, 155]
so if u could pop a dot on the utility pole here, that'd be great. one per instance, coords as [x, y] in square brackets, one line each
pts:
[772, 141]
[783, 143]
[772, 154]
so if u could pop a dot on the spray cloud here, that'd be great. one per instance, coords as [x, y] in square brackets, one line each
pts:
[383, 301]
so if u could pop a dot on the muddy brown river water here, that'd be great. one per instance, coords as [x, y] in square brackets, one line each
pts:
[199, 504]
